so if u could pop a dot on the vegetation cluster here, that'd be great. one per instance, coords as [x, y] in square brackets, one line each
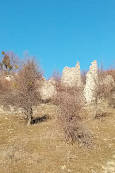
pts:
[22, 91]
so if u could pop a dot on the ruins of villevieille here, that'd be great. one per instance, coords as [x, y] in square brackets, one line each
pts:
[71, 77]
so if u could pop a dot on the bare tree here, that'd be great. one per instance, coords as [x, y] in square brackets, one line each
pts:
[24, 93]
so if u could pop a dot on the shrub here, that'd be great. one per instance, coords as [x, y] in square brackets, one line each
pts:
[111, 72]
[103, 86]
[5, 86]
[71, 104]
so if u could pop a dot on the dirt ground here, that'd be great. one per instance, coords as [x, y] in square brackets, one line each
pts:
[40, 148]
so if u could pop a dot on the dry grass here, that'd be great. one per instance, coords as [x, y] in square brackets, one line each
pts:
[41, 148]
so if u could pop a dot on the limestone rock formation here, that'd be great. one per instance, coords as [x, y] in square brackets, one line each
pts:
[71, 76]
[91, 78]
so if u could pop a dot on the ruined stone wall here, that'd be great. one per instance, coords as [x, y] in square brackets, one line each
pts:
[71, 76]
[48, 90]
[91, 79]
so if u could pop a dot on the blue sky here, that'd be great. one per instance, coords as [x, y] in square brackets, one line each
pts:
[59, 32]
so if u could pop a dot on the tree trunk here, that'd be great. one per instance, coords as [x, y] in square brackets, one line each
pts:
[29, 114]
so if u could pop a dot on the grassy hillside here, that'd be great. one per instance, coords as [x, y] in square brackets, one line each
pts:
[40, 148]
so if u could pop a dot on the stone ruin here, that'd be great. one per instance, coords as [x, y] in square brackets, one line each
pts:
[91, 79]
[71, 76]
[47, 90]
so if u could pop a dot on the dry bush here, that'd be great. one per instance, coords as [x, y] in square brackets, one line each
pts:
[111, 96]
[103, 86]
[111, 72]
[56, 76]
[5, 89]
[5, 86]
[71, 103]
[24, 93]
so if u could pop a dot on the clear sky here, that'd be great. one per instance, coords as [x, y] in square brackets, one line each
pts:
[59, 32]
